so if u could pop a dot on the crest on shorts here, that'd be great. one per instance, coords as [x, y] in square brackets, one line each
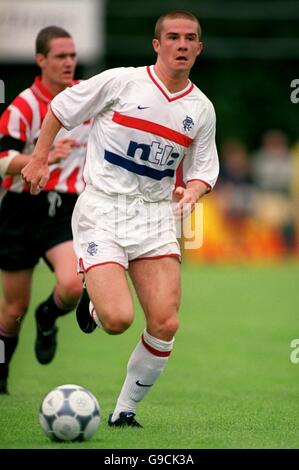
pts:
[92, 248]
[188, 123]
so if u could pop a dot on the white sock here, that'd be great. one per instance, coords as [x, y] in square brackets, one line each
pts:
[94, 316]
[145, 365]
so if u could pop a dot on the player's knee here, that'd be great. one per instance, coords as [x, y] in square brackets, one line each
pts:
[14, 310]
[170, 326]
[166, 328]
[118, 322]
[70, 289]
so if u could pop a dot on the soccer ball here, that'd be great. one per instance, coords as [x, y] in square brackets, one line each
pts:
[70, 413]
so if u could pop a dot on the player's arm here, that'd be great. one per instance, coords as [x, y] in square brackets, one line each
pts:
[15, 165]
[14, 132]
[187, 197]
[36, 172]
[12, 161]
[193, 191]
[12, 158]
[60, 151]
[201, 166]
[71, 107]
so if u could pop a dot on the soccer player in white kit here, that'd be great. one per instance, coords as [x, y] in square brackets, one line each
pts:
[145, 121]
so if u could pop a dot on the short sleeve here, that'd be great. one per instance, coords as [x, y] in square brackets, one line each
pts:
[85, 100]
[14, 124]
[201, 162]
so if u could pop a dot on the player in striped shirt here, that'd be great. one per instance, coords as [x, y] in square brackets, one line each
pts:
[146, 121]
[39, 227]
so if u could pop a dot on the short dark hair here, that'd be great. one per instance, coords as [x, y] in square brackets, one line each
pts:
[42, 43]
[173, 15]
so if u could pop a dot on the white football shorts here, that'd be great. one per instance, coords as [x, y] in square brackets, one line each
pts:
[120, 229]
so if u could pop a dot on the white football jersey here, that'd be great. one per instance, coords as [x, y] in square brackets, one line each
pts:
[141, 132]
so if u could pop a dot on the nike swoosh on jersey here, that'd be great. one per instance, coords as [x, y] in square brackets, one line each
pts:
[143, 385]
[143, 107]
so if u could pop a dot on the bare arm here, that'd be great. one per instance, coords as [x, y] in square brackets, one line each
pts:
[60, 151]
[36, 172]
[17, 163]
[186, 198]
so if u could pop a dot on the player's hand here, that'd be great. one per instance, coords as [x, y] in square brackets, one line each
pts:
[184, 201]
[36, 174]
[61, 150]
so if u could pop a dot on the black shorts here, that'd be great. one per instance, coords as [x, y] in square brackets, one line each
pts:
[31, 225]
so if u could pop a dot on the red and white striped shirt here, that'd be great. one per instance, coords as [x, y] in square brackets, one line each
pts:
[22, 121]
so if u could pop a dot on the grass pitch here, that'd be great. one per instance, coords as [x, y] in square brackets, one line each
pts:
[229, 383]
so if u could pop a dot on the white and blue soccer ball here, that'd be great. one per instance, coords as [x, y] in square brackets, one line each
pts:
[70, 413]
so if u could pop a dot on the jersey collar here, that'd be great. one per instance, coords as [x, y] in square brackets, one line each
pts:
[40, 91]
[169, 96]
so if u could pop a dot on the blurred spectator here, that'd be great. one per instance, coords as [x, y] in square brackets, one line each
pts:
[272, 167]
[235, 195]
[253, 211]
[235, 185]
[272, 163]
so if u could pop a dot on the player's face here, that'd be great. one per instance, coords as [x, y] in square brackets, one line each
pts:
[179, 44]
[58, 66]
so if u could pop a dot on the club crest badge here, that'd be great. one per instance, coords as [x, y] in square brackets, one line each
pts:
[92, 248]
[188, 123]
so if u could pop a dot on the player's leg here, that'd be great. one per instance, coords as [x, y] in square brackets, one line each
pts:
[62, 300]
[112, 305]
[16, 287]
[103, 259]
[157, 283]
[20, 220]
[68, 283]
